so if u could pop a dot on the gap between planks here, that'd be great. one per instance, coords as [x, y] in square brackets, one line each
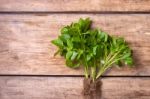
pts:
[107, 76]
[74, 12]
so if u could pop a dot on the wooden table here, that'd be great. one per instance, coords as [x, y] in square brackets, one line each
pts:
[28, 69]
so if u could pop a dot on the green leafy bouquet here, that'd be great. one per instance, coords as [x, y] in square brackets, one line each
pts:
[93, 49]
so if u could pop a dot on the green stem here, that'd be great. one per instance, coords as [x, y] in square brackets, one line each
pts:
[93, 71]
[106, 65]
[108, 57]
[100, 73]
[86, 72]
[113, 57]
[86, 66]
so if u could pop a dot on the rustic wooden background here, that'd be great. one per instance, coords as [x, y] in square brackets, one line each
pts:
[28, 69]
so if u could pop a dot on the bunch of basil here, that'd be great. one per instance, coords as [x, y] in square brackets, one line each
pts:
[93, 49]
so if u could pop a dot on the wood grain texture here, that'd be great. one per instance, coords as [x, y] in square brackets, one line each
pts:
[26, 48]
[71, 88]
[74, 5]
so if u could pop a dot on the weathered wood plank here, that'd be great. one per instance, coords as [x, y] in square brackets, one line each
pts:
[71, 88]
[26, 49]
[74, 5]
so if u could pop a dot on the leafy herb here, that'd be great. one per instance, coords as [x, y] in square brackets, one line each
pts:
[93, 49]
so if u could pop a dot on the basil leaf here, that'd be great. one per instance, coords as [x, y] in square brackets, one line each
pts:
[74, 55]
[58, 42]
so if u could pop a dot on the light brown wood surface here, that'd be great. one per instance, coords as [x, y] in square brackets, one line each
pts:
[74, 5]
[71, 88]
[28, 26]
[26, 48]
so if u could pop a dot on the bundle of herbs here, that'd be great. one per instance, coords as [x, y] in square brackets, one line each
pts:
[93, 49]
